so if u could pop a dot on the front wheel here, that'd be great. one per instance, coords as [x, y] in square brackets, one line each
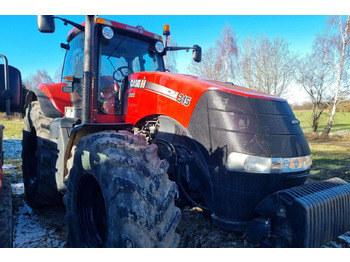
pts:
[119, 194]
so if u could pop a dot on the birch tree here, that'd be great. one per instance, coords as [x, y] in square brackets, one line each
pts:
[227, 52]
[246, 61]
[313, 75]
[333, 45]
[266, 65]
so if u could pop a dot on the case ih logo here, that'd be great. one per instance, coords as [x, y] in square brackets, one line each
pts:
[138, 83]
[135, 29]
[160, 90]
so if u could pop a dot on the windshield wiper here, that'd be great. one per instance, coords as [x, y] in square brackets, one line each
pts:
[116, 49]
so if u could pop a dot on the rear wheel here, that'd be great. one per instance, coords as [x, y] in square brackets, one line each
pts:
[5, 215]
[119, 195]
[39, 156]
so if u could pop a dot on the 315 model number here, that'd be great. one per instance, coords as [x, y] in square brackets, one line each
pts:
[183, 99]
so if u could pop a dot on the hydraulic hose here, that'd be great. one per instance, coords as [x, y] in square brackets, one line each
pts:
[178, 177]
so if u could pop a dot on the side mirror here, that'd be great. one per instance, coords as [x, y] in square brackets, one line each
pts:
[197, 53]
[12, 95]
[46, 23]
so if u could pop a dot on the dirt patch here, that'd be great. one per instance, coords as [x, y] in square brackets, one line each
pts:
[196, 231]
[40, 228]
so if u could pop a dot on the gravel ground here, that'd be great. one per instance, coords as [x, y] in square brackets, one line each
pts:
[45, 227]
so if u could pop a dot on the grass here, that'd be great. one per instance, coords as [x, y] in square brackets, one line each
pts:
[13, 130]
[15, 174]
[13, 126]
[341, 121]
[330, 159]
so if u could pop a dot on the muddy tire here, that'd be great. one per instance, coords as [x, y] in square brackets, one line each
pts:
[119, 194]
[6, 215]
[39, 156]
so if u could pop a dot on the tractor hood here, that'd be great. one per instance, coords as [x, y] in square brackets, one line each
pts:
[219, 115]
[168, 94]
[232, 88]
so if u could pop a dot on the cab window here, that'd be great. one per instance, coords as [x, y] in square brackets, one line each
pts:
[120, 57]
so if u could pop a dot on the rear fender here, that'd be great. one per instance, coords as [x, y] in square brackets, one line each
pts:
[51, 98]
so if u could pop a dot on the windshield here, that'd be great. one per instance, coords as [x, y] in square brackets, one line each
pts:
[119, 57]
[123, 51]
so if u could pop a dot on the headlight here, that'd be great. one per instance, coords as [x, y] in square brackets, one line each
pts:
[255, 164]
[159, 47]
[107, 32]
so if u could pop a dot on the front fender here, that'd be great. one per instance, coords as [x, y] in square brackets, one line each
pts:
[181, 150]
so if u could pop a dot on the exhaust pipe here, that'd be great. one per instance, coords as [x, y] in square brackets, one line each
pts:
[88, 80]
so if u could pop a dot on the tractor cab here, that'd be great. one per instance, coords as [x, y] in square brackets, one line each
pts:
[111, 52]
[121, 51]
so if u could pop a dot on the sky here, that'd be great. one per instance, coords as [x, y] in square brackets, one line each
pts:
[29, 50]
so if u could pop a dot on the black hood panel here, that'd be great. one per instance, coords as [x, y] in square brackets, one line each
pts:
[223, 123]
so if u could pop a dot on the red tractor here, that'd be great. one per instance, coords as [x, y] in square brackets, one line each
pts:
[10, 97]
[121, 140]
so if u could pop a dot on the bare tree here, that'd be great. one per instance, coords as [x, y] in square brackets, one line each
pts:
[333, 45]
[208, 67]
[218, 62]
[58, 75]
[245, 64]
[266, 65]
[227, 52]
[35, 80]
[313, 75]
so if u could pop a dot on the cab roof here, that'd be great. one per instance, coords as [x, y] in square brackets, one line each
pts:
[138, 29]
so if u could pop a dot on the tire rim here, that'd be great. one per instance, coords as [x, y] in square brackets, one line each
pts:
[92, 215]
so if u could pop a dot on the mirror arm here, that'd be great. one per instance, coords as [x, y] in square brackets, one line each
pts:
[196, 49]
[80, 27]
[175, 48]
